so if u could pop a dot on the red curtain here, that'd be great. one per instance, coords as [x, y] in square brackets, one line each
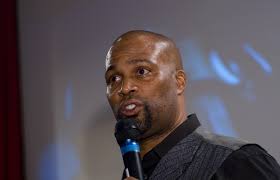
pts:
[11, 164]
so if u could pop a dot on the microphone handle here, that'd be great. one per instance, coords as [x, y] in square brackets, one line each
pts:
[132, 162]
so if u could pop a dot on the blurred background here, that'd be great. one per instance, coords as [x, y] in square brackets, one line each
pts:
[230, 51]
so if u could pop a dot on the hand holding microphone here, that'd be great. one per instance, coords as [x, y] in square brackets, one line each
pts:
[130, 178]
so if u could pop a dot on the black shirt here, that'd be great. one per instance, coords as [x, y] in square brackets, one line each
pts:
[250, 161]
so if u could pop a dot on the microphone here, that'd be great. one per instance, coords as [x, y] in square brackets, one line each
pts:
[127, 134]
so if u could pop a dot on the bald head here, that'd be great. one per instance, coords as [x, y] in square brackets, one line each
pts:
[157, 44]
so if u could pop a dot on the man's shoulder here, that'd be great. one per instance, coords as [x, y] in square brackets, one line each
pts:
[241, 159]
[239, 148]
[221, 141]
[221, 157]
[210, 151]
[249, 161]
[248, 151]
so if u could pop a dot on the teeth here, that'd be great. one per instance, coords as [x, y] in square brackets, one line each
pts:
[130, 106]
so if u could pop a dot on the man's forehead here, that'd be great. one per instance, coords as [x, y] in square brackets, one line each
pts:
[148, 51]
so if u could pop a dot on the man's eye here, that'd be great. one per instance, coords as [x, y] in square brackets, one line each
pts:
[114, 79]
[142, 71]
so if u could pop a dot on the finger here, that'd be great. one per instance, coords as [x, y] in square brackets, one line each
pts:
[130, 178]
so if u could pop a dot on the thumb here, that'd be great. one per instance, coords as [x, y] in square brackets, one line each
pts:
[130, 178]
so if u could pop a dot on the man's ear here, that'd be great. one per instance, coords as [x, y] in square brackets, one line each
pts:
[181, 81]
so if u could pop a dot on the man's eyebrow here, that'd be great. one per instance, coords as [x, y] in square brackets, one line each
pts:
[111, 67]
[132, 61]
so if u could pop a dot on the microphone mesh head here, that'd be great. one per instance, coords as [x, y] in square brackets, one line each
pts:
[126, 129]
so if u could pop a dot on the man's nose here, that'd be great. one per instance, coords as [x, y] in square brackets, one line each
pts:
[127, 88]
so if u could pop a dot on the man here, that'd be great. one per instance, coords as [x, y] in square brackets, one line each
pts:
[146, 81]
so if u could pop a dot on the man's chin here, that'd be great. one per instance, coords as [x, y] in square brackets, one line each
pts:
[139, 121]
[143, 121]
[141, 125]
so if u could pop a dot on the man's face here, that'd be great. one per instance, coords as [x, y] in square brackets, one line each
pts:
[141, 85]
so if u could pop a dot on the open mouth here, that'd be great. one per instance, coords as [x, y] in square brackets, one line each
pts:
[130, 108]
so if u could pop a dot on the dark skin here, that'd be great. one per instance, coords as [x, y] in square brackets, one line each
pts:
[145, 67]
